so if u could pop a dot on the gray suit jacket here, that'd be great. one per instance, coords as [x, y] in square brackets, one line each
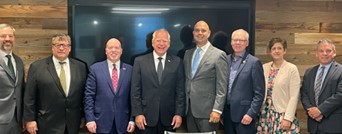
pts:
[330, 99]
[207, 89]
[11, 89]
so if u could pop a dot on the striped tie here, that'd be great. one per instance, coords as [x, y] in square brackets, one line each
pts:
[318, 85]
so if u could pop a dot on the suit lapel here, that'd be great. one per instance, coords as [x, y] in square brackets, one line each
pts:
[5, 67]
[152, 68]
[312, 75]
[168, 64]
[106, 74]
[121, 77]
[204, 58]
[52, 70]
[329, 75]
[189, 63]
[242, 65]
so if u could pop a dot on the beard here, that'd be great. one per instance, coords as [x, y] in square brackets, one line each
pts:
[7, 46]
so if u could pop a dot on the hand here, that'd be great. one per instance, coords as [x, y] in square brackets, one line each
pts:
[246, 120]
[319, 118]
[140, 121]
[91, 126]
[32, 127]
[214, 117]
[23, 129]
[314, 112]
[130, 127]
[285, 125]
[176, 121]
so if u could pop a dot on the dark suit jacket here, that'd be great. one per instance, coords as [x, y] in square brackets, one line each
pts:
[330, 99]
[46, 102]
[155, 100]
[12, 88]
[248, 89]
[104, 106]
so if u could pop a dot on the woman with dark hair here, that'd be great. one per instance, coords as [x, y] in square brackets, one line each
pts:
[278, 113]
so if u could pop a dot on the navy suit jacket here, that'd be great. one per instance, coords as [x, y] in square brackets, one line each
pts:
[330, 99]
[157, 100]
[248, 89]
[104, 106]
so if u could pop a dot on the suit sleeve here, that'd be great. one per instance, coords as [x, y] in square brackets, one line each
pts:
[304, 91]
[30, 95]
[180, 91]
[294, 85]
[89, 96]
[221, 82]
[258, 79]
[334, 102]
[136, 89]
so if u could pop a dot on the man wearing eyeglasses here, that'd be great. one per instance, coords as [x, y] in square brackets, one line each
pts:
[54, 91]
[12, 83]
[246, 87]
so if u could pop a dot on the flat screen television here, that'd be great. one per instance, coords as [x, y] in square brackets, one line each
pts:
[93, 22]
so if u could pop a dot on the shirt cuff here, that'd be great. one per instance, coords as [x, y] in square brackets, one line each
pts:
[218, 111]
[131, 122]
[90, 122]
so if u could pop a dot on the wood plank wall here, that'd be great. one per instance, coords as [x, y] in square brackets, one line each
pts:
[301, 22]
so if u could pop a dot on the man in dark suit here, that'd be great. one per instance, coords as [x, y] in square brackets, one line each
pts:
[157, 94]
[321, 92]
[12, 83]
[107, 95]
[246, 87]
[54, 91]
[206, 82]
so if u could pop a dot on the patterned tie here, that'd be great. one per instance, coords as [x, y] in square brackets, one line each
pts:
[10, 65]
[160, 69]
[318, 85]
[196, 61]
[62, 77]
[115, 78]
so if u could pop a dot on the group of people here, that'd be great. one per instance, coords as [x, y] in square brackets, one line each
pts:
[160, 90]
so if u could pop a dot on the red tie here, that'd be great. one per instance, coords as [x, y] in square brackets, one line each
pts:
[114, 78]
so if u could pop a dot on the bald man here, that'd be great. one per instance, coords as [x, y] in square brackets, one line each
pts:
[107, 94]
[205, 82]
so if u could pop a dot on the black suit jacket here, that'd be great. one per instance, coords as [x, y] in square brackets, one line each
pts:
[330, 99]
[154, 100]
[46, 102]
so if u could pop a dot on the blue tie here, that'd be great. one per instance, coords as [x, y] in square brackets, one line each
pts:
[196, 62]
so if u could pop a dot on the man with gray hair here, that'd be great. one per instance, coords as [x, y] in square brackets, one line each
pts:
[11, 83]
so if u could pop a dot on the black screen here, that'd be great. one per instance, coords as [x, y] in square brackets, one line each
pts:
[91, 25]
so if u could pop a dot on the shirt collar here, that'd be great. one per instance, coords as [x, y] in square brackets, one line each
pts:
[110, 64]
[56, 61]
[156, 56]
[205, 47]
[3, 54]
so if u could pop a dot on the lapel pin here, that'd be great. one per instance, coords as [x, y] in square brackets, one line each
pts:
[124, 68]
[168, 61]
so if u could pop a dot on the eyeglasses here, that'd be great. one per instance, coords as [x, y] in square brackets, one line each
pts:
[239, 40]
[3, 36]
[61, 45]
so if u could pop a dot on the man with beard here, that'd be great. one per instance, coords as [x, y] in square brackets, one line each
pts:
[11, 83]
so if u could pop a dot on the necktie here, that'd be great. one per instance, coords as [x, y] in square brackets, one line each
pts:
[195, 62]
[318, 85]
[160, 69]
[62, 77]
[10, 65]
[115, 78]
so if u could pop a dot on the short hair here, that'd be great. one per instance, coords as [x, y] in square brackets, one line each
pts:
[328, 41]
[160, 30]
[4, 25]
[277, 40]
[61, 37]
[241, 30]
